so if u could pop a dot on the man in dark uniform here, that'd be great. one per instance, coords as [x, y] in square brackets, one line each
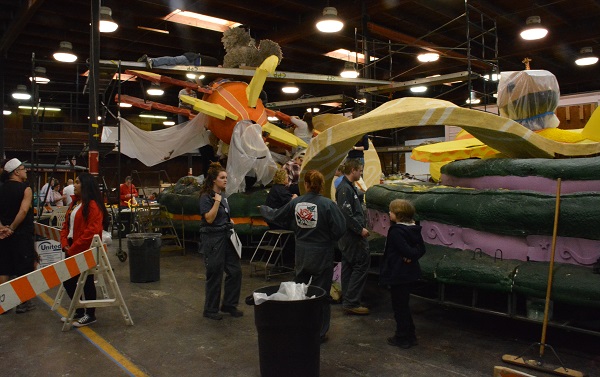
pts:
[353, 244]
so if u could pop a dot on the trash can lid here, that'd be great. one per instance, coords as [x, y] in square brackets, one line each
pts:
[143, 235]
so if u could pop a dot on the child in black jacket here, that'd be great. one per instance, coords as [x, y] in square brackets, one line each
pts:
[400, 267]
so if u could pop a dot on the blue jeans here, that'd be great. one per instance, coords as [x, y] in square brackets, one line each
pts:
[170, 60]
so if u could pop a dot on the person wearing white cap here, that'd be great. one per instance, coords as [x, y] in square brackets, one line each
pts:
[18, 255]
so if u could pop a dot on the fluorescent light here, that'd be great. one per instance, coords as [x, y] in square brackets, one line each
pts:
[6, 112]
[428, 57]
[494, 77]
[153, 116]
[272, 119]
[313, 110]
[329, 22]
[168, 123]
[418, 89]
[200, 20]
[39, 108]
[123, 104]
[533, 29]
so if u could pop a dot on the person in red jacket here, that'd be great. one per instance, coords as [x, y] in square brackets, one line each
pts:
[127, 192]
[86, 217]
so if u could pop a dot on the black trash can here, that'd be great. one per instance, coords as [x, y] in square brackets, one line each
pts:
[144, 257]
[289, 341]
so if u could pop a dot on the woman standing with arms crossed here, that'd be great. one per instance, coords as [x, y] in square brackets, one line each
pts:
[85, 218]
[219, 254]
[318, 224]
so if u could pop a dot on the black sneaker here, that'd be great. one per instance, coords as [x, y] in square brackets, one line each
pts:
[215, 316]
[25, 307]
[76, 317]
[401, 343]
[233, 311]
[84, 321]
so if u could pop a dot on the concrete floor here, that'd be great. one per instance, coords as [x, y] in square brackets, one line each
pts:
[171, 338]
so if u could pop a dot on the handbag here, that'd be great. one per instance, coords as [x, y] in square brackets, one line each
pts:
[235, 241]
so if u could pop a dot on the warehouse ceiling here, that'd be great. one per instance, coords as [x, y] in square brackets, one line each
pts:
[395, 31]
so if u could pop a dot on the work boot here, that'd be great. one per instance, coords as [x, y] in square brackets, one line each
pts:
[359, 310]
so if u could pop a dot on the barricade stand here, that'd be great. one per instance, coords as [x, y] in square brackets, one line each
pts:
[26, 287]
[53, 233]
[104, 270]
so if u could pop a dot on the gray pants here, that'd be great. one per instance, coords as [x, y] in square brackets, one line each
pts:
[316, 262]
[356, 260]
[220, 256]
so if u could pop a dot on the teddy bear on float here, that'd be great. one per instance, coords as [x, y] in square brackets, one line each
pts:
[241, 50]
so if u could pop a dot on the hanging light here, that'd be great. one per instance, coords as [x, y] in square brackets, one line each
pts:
[40, 76]
[428, 57]
[193, 76]
[155, 90]
[329, 22]
[586, 57]
[533, 29]
[472, 100]
[107, 24]
[418, 89]
[290, 88]
[349, 71]
[65, 53]
[313, 110]
[21, 93]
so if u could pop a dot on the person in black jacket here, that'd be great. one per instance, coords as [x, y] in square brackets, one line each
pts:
[279, 194]
[400, 267]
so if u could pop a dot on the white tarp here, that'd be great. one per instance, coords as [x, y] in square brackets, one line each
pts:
[154, 147]
[248, 155]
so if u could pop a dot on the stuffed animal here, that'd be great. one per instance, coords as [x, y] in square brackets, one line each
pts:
[241, 50]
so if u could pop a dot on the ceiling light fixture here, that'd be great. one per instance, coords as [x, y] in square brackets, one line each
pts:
[290, 88]
[533, 29]
[586, 57]
[349, 71]
[107, 24]
[21, 93]
[200, 20]
[6, 112]
[193, 76]
[155, 90]
[313, 110]
[428, 57]
[124, 104]
[473, 100]
[272, 119]
[40, 76]
[329, 22]
[153, 116]
[168, 123]
[65, 53]
[418, 89]
[55, 109]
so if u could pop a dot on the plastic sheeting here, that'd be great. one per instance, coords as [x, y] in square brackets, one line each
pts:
[248, 155]
[154, 147]
[529, 98]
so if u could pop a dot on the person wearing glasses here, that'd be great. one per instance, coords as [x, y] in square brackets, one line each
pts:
[18, 256]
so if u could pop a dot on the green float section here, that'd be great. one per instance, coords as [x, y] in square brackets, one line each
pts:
[576, 169]
[514, 213]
